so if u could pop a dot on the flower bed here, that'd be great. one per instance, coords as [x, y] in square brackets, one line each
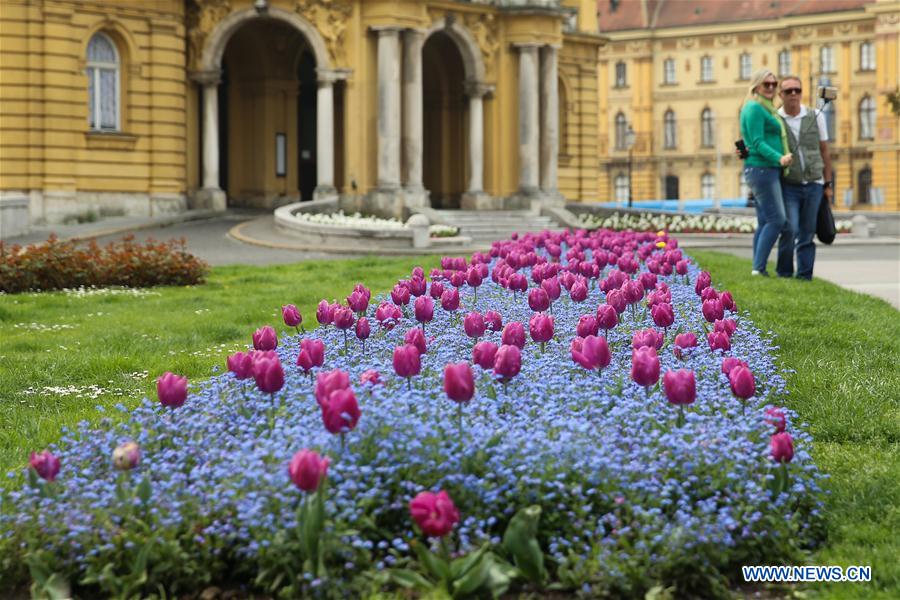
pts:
[676, 223]
[360, 221]
[641, 479]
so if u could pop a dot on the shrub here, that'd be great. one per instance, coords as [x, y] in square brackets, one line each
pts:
[57, 264]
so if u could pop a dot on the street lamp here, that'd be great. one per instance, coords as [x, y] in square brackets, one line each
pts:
[629, 143]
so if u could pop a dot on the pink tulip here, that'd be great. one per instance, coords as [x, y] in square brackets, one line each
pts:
[457, 278]
[424, 309]
[633, 291]
[684, 341]
[241, 364]
[370, 376]
[400, 295]
[406, 361]
[742, 382]
[552, 288]
[645, 366]
[363, 290]
[712, 310]
[418, 272]
[483, 354]
[45, 464]
[541, 328]
[417, 286]
[459, 382]
[388, 315]
[308, 470]
[363, 329]
[340, 413]
[126, 456]
[663, 315]
[725, 325]
[324, 313]
[493, 320]
[709, 293]
[328, 382]
[474, 277]
[647, 337]
[579, 291]
[268, 374]
[782, 447]
[265, 338]
[508, 361]
[474, 325]
[616, 299]
[415, 337]
[518, 282]
[314, 351]
[607, 317]
[647, 281]
[291, 315]
[513, 334]
[727, 301]
[681, 267]
[775, 417]
[436, 290]
[171, 390]
[729, 363]
[703, 281]
[680, 386]
[592, 352]
[587, 325]
[343, 318]
[435, 514]
[718, 340]
[538, 300]
[358, 302]
[450, 299]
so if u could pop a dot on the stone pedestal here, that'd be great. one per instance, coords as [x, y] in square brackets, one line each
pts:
[481, 201]
[209, 199]
[14, 217]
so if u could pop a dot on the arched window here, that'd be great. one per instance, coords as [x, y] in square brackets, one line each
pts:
[864, 186]
[669, 129]
[707, 128]
[621, 75]
[621, 129]
[708, 186]
[866, 57]
[746, 65]
[784, 63]
[621, 184]
[826, 59]
[867, 118]
[669, 71]
[103, 83]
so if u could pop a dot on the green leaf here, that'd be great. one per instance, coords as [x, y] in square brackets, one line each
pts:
[473, 579]
[436, 566]
[54, 587]
[461, 565]
[145, 490]
[520, 542]
[410, 580]
[500, 576]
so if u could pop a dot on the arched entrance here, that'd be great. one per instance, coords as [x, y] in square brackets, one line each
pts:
[445, 124]
[268, 133]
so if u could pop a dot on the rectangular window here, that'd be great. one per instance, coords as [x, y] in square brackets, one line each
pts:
[866, 57]
[706, 68]
[826, 59]
[621, 79]
[784, 62]
[669, 71]
[280, 155]
[746, 65]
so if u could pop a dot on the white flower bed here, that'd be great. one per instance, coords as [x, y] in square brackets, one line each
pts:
[360, 221]
[677, 223]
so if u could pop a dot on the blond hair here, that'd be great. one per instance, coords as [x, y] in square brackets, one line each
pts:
[755, 82]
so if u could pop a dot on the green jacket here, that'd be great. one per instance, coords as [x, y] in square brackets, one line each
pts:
[762, 135]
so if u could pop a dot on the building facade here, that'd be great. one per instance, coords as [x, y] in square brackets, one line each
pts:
[149, 107]
[676, 73]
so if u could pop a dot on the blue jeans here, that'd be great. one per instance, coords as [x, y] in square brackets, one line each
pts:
[771, 220]
[802, 204]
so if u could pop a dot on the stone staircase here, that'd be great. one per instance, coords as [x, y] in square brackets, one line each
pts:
[485, 226]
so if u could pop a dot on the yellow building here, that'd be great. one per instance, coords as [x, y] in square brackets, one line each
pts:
[676, 72]
[143, 107]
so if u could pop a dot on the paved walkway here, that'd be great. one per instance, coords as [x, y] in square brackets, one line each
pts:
[869, 265]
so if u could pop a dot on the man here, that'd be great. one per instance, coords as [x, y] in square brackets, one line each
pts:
[802, 187]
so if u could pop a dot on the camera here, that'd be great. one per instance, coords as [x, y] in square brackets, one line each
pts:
[827, 93]
[742, 148]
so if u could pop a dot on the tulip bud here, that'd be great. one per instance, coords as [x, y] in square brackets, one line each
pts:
[587, 325]
[483, 354]
[474, 325]
[450, 299]
[241, 364]
[718, 340]
[407, 362]
[340, 413]
[265, 338]
[712, 310]
[703, 281]
[680, 386]
[727, 301]
[459, 383]
[436, 290]
[328, 382]
[363, 329]
[645, 366]
[513, 334]
[308, 470]
[774, 416]
[541, 328]
[473, 277]
[324, 313]
[435, 514]
[424, 309]
[681, 267]
[415, 337]
[782, 447]
[742, 383]
[291, 315]
[343, 318]
[579, 291]
[268, 374]
[508, 361]
[663, 315]
[607, 317]
[616, 299]
[45, 464]
[538, 300]
[551, 286]
[171, 389]
[493, 320]
[126, 456]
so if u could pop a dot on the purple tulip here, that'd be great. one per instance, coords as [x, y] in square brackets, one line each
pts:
[680, 386]
[388, 315]
[308, 470]
[265, 338]
[718, 340]
[587, 325]
[730, 363]
[616, 299]
[474, 277]
[508, 361]
[340, 413]
[579, 291]
[775, 417]
[781, 447]
[484, 353]
[647, 337]
[607, 317]
[704, 280]
[684, 341]
[291, 315]
[407, 362]
[645, 366]
[417, 286]
[450, 299]
[45, 464]
[268, 374]
[363, 329]
[513, 334]
[324, 313]
[436, 290]
[518, 282]
[241, 364]
[459, 382]
[633, 291]
[343, 318]
[538, 300]
[493, 320]
[592, 352]
[681, 267]
[742, 382]
[415, 337]
[400, 295]
[312, 354]
[709, 293]
[647, 281]
[457, 278]
[474, 325]
[541, 328]
[328, 382]
[663, 315]
[727, 301]
[358, 302]
[552, 287]
[727, 326]
[171, 390]
[424, 309]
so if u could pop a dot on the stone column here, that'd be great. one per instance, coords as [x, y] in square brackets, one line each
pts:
[529, 168]
[211, 196]
[325, 135]
[413, 40]
[475, 197]
[388, 108]
[549, 122]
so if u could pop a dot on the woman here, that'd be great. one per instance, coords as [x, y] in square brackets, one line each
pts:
[769, 156]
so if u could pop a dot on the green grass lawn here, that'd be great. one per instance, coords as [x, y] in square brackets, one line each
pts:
[844, 348]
